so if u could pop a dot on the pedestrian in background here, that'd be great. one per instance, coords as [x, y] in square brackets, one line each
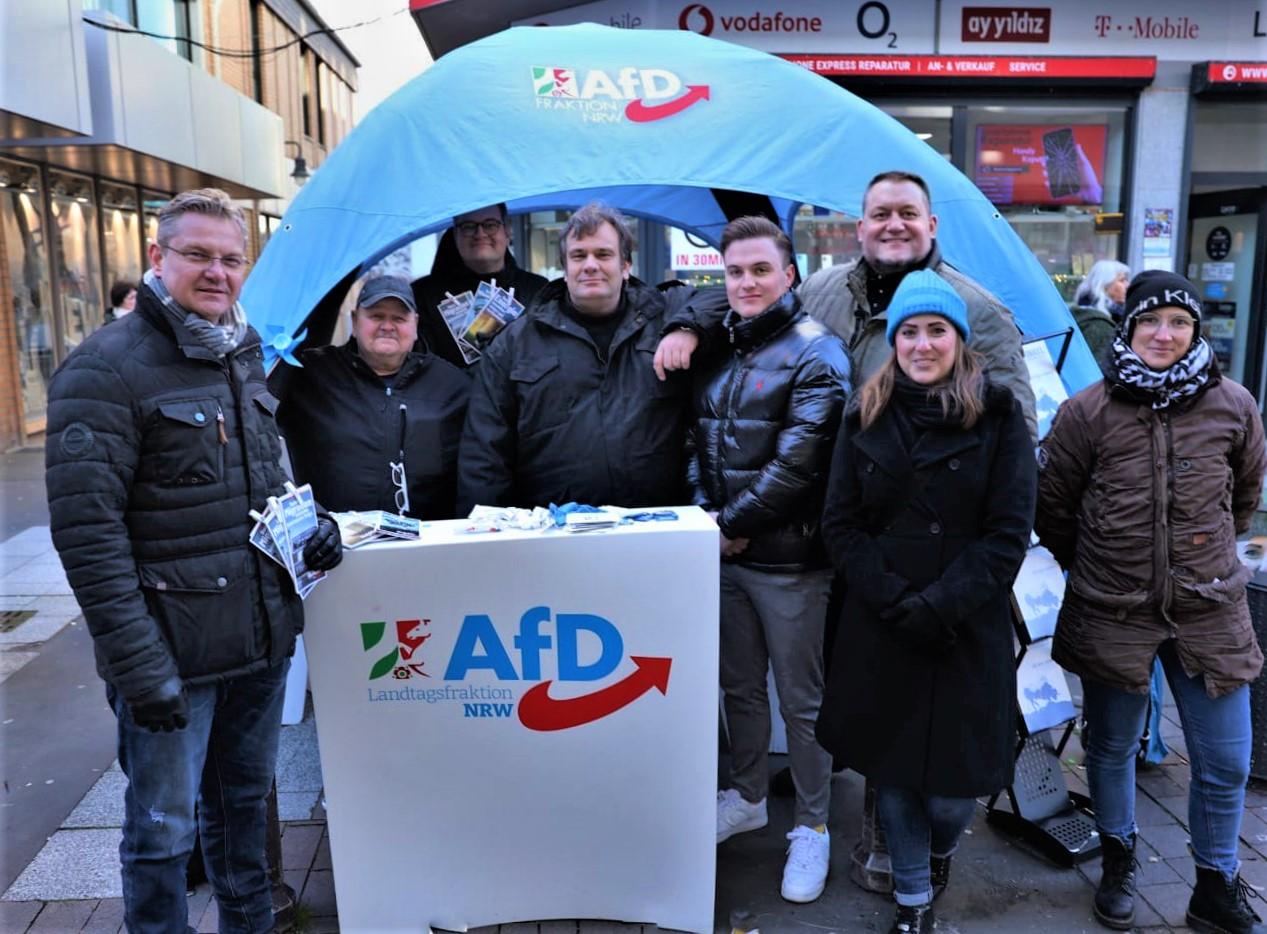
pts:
[928, 515]
[1146, 479]
[122, 300]
[1097, 306]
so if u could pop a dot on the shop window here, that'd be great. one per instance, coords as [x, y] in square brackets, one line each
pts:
[1050, 171]
[151, 204]
[266, 225]
[73, 212]
[931, 123]
[169, 22]
[120, 234]
[25, 242]
[1229, 136]
[308, 84]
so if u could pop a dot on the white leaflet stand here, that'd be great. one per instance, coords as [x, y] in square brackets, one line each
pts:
[444, 808]
[296, 685]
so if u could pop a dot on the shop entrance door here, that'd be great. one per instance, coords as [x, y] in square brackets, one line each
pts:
[1226, 235]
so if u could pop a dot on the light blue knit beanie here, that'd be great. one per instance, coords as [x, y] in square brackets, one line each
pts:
[923, 292]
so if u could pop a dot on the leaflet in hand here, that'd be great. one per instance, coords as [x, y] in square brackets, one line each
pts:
[282, 531]
[361, 528]
[474, 319]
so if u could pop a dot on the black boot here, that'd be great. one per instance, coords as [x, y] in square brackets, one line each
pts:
[913, 919]
[1115, 898]
[939, 872]
[1218, 906]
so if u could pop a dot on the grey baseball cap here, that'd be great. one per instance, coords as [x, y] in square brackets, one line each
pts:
[381, 287]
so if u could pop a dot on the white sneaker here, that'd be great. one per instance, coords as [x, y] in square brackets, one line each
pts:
[735, 815]
[805, 872]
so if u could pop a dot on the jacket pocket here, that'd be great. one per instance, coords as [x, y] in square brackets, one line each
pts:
[1224, 591]
[266, 410]
[543, 394]
[1120, 602]
[183, 447]
[205, 609]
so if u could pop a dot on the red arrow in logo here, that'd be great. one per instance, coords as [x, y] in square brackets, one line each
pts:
[539, 711]
[639, 112]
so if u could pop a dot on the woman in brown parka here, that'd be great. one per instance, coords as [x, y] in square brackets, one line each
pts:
[1144, 482]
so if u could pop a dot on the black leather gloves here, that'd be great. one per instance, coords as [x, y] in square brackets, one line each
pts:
[914, 623]
[165, 707]
[324, 550]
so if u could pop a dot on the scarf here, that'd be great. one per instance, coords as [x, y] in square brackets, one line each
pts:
[1183, 379]
[220, 339]
[922, 405]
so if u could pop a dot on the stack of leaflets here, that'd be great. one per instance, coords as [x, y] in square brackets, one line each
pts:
[361, 528]
[474, 319]
[283, 530]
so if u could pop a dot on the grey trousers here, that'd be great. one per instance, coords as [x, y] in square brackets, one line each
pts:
[776, 620]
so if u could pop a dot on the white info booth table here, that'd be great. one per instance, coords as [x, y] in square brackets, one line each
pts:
[521, 726]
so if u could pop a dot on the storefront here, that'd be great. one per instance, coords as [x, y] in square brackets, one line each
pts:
[1227, 213]
[85, 165]
[1072, 118]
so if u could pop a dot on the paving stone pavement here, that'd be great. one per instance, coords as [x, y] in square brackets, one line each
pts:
[72, 884]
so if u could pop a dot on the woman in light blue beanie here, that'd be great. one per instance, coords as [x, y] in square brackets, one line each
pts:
[923, 292]
[927, 517]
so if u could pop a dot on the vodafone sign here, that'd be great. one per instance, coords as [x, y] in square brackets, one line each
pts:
[882, 26]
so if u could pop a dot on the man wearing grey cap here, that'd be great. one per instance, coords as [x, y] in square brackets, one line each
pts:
[374, 423]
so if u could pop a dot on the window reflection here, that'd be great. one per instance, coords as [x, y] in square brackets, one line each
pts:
[26, 249]
[74, 217]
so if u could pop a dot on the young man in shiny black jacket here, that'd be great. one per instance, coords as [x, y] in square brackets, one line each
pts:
[766, 409]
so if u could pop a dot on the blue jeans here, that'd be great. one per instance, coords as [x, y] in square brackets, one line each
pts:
[917, 826]
[1218, 734]
[224, 761]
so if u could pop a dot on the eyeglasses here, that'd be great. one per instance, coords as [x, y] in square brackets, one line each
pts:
[468, 228]
[231, 263]
[402, 487]
[1150, 322]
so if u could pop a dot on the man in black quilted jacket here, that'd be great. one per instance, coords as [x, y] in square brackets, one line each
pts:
[161, 439]
[766, 413]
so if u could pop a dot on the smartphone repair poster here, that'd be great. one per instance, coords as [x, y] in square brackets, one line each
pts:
[1041, 164]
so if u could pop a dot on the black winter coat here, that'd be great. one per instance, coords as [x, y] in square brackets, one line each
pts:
[156, 451]
[343, 427]
[450, 274]
[550, 421]
[766, 416]
[949, 519]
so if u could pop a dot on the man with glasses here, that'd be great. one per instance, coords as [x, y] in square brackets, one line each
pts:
[394, 414]
[160, 441]
[475, 250]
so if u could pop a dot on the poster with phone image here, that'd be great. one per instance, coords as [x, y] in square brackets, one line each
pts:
[1041, 164]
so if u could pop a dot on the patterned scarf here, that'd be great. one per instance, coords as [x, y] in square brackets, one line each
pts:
[1162, 388]
[220, 339]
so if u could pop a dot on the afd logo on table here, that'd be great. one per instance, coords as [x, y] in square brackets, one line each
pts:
[584, 647]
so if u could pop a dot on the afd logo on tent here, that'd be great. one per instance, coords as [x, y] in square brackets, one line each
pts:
[641, 95]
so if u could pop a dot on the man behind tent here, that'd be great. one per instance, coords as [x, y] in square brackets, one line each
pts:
[897, 231]
[475, 249]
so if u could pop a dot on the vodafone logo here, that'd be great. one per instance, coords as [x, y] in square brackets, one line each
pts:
[696, 18]
[1229, 72]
